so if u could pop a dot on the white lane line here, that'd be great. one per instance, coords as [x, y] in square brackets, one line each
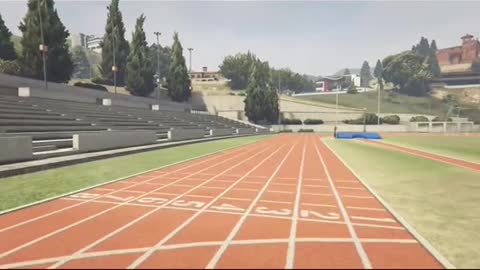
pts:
[314, 186]
[213, 262]
[358, 197]
[271, 201]
[296, 208]
[45, 236]
[210, 157]
[353, 188]
[235, 199]
[172, 234]
[319, 204]
[279, 192]
[97, 254]
[367, 208]
[77, 253]
[406, 226]
[358, 245]
[318, 194]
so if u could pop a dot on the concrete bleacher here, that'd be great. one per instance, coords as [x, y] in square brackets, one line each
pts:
[52, 124]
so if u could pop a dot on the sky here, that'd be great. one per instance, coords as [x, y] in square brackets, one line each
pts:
[309, 37]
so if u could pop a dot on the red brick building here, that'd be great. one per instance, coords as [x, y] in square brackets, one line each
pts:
[456, 62]
[466, 53]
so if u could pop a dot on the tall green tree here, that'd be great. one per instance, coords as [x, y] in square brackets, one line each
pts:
[178, 80]
[165, 59]
[81, 68]
[261, 102]
[365, 75]
[237, 69]
[432, 60]
[7, 50]
[59, 60]
[139, 67]
[408, 72]
[114, 35]
[377, 72]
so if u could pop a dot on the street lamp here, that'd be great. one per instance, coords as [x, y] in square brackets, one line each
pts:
[158, 65]
[364, 119]
[190, 50]
[43, 48]
[114, 66]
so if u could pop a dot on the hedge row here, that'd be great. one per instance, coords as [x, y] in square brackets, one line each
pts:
[91, 86]
[422, 118]
[372, 119]
[299, 122]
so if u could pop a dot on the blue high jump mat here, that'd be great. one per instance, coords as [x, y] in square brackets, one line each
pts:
[359, 135]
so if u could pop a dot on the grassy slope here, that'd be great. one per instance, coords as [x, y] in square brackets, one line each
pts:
[398, 104]
[23, 189]
[440, 201]
[467, 148]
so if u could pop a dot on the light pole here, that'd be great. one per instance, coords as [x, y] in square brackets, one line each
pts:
[364, 119]
[158, 65]
[379, 86]
[190, 50]
[43, 48]
[114, 66]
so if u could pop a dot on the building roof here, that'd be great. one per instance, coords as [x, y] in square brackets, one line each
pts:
[331, 78]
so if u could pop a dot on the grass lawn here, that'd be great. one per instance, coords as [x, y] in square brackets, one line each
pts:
[467, 148]
[20, 190]
[441, 202]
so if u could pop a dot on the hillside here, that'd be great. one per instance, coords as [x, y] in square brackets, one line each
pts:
[395, 104]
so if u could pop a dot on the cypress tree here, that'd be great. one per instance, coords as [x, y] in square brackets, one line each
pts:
[7, 51]
[377, 72]
[59, 60]
[139, 67]
[178, 80]
[114, 34]
[261, 102]
[365, 75]
[433, 45]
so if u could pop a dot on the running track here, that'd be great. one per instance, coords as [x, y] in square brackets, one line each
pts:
[448, 160]
[280, 203]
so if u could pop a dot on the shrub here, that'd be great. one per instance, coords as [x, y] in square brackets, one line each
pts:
[286, 131]
[291, 121]
[391, 119]
[241, 94]
[419, 118]
[306, 130]
[371, 119]
[441, 119]
[10, 67]
[99, 80]
[313, 121]
[91, 86]
[352, 89]
[231, 94]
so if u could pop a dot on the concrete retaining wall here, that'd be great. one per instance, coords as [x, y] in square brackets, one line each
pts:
[245, 131]
[221, 132]
[10, 85]
[185, 134]
[96, 141]
[13, 149]
[340, 128]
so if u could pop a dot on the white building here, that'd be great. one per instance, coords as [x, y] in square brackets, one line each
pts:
[86, 41]
[94, 43]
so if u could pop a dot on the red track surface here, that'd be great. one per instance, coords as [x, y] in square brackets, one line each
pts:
[440, 158]
[284, 202]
